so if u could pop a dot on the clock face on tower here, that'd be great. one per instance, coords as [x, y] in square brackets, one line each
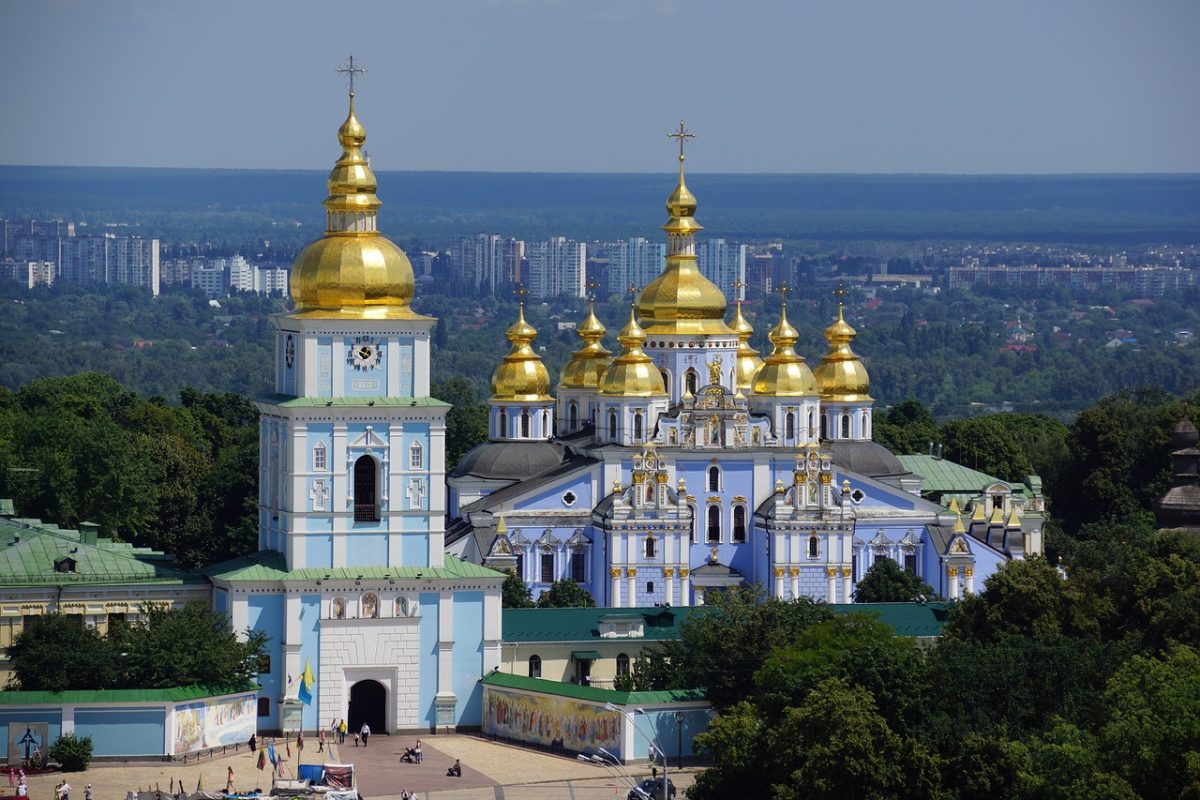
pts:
[289, 351]
[363, 354]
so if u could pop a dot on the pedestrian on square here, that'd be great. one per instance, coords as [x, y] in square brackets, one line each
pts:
[366, 732]
[321, 741]
[342, 732]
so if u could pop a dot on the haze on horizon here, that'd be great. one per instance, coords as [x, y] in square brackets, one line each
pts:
[865, 86]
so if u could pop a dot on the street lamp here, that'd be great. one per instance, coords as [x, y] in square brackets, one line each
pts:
[679, 744]
[612, 765]
[652, 740]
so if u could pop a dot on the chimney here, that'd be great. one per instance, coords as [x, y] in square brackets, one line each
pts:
[88, 532]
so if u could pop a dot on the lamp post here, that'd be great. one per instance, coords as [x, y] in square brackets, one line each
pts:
[612, 765]
[652, 740]
[679, 745]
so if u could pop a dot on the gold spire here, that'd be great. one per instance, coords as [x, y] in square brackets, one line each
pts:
[954, 506]
[841, 375]
[681, 299]
[632, 373]
[1014, 520]
[979, 513]
[588, 363]
[958, 526]
[521, 375]
[997, 516]
[352, 272]
[748, 361]
[784, 373]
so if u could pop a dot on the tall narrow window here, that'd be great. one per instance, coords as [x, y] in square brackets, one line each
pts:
[824, 425]
[813, 547]
[812, 428]
[535, 667]
[503, 424]
[714, 523]
[789, 425]
[637, 427]
[521, 564]
[545, 424]
[690, 381]
[739, 523]
[695, 524]
[525, 423]
[366, 504]
[649, 547]
[845, 426]
[416, 458]
[865, 422]
[622, 665]
[612, 425]
[714, 479]
[578, 566]
[320, 464]
[573, 415]
[548, 567]
[910, 563]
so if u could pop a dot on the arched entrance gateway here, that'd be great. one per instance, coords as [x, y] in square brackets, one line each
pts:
[368, 703]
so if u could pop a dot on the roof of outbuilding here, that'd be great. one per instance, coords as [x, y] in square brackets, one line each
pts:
[506, 680]
[942, 476]
[173, 694]
[270, 565]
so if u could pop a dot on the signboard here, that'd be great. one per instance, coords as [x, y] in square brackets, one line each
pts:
[550, 721]
[24, 738]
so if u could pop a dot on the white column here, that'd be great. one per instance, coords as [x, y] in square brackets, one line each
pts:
[969, 572]
[684, 581]
[631, 583]
[421, 365]
[669, 584]
[68, 719]
[239, 614]
[291, 637]
[847, 583]
[831, 574]
[616, 588]
[952, 578]
[795, 576]
[445, 684]
[397, 468]
[779, 582]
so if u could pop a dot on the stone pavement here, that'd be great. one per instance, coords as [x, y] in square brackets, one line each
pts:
[491, 771]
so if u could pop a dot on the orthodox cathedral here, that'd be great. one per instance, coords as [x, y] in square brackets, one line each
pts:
[687, 463]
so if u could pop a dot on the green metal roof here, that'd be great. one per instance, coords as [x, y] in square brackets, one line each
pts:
[583, 624]
[30, 549]
[942, 477]
[270, 565]
[591, 693]
[176, 695]
[905, 619]
[291, 401]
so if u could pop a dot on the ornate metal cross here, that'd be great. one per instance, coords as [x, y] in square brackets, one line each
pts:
[682, 135]
[350, 71]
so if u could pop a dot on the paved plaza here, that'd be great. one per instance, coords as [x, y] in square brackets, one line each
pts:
[491, 771]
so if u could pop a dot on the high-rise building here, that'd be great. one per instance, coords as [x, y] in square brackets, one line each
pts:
[723, 263]
[133, 261]
[634, 262]
[557, 267]
[241, 274]
[270, 279]
[29, 273]
[209, 277]
[487, 260]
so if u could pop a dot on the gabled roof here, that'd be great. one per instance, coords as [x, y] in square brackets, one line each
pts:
[945, 477]
[270, 565]
[30, 549]
[505, 680]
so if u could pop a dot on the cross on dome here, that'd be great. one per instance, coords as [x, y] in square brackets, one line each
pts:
[520, 292]
[348, 69]
[682, 135]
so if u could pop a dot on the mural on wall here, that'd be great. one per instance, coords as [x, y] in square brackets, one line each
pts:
[550, 721]
[213, 723]
[25, 739]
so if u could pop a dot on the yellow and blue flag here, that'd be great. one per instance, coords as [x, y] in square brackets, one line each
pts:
[307, 681]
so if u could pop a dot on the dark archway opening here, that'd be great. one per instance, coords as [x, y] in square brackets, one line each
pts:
[368, 703]
[366, 503]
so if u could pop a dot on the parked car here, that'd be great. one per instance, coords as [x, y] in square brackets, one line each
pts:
[652, 789]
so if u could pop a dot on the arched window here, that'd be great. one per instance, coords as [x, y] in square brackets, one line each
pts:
[416, 456]
[789, 425]
[824, 425]
[650, 587]
[865, 433]
[695, 524]
[637, 426]
[535, 667]
[690, 381]
[845, 426]
[666, 378]
[714, 479]
[369, 607]
[503, 423]
[812, 426]
[320, 463]
[714, 523]
[337, 608]
[525, 423]
[545, 424]
[649, 547]
[622, 665]
[612, 424]
[814, 546]
[366, 505]
[573, 415]
[739, 523]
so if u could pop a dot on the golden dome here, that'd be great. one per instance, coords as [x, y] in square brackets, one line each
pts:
[352, 271]
[681, 299]
[521, 375]
[748, 362]
[632, 373]
[784, 373]
[841, 375]
[587, 364]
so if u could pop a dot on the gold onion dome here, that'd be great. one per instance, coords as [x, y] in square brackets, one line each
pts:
[681, 299]
[841, 375]
[632, 373]
[587, 364]
[521, 376]
[748, 361]
[353, 271]
[784, 373]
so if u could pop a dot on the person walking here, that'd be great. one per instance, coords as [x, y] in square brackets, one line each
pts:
[87, 793]
[365, 732]
[420, 755]
[321, 741]
[342, 732]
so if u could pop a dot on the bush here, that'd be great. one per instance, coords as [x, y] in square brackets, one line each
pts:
[73, 752]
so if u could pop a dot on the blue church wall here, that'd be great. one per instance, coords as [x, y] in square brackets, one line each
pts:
[318, 551]
[325, 366]
[662, 725]
[52, 718]
[366, 383]
[428, 659]
[320, 432]
[404, 352]
[315, 524]
[310, 650]
[468, 663]
[265, 613]
[220, 601]
[414, 550]
[551, 497]
[123, 731]
[364, 549]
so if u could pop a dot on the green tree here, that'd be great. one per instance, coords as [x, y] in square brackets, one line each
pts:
[887, 582]
[515, 593]
[466, 422]
[906, 428]
[987, 765]
[54, 653]
[1065, 765]
[986, 444]
[73, 753]
[566, 594]
[740, 763]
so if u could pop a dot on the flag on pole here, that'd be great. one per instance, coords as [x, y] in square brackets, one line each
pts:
[262, 759]
[271, 753]
[307, 681]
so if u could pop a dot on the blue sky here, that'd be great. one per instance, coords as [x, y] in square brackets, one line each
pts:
[948, 86]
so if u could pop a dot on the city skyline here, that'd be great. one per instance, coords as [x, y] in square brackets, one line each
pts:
[865, 87]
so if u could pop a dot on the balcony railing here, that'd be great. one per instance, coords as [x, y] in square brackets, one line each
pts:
[366, 512]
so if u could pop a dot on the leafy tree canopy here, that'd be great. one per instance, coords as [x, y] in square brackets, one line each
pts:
[566, 594]
[515, 593]
[887, 582]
